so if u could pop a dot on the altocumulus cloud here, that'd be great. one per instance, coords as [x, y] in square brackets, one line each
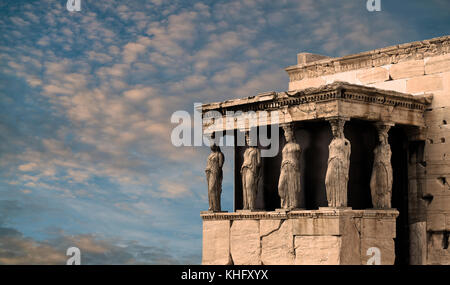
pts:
[86, 99]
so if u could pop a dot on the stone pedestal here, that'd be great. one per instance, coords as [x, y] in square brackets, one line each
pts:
[327, 236]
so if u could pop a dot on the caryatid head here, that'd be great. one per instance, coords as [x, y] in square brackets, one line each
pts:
[383, 133]
[212, 142]
[337, 128]
[288, 133]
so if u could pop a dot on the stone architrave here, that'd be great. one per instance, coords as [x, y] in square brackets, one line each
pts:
[214, 177]
[381, 180]
[336, 178]
[250, 174]
[289, 182]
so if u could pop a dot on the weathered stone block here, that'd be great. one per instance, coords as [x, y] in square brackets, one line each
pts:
[317, 250]
[351, 241]
[437, 254]
[373, 227]
[268, 226]
[373, 75]
[437, 169]
[316, 226]
[395, 85]
[424, 84]
[407, 69]
[437, 64]
[440, 203]
[440, 99]
[348, 76]
[435, 151]
[353, 62]
[386, 247]
[216, 243]
[433, 187]
[435, 222]
[277, 246]
[437, 116]
[245, 243]
[306, 57]
[306, 83]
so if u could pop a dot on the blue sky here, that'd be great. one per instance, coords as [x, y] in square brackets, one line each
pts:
[86, 99]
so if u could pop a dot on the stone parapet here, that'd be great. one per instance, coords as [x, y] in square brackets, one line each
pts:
[325, 236]
[378, 57]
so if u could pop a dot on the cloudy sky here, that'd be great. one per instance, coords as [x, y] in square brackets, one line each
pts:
[86, 99]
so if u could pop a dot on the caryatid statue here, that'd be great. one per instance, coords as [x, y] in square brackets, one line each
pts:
[381, 180]
[214, 177]
[336, 179]
[250, 173]
[289, 182]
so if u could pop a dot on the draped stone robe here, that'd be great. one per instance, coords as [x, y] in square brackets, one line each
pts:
[214, 177]
[250, 173]
[289, 182]
[381, 180]
[336, 179]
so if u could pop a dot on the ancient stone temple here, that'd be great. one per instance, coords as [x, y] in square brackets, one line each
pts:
[362, 171]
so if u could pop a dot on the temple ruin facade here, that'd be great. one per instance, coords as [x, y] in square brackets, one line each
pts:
[362, 175]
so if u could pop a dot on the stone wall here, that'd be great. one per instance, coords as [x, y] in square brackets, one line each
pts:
[416, 68]
[326, 236]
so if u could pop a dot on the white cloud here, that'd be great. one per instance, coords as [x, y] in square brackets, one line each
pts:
[28, 167]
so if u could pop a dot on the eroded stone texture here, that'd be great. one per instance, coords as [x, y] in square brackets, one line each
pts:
[373, 75]
[374, 228]
[425, 83]
[277, 246]
[307, 83]
[407, 69]
[317, 250]
[216, 243]
[268, 226]
[245, 243]
[438, 251]
[437, 64]
[351, 241]
[306, 57]
[317, 226]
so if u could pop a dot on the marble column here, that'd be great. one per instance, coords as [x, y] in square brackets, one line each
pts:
[336, 179]
[381, 180]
